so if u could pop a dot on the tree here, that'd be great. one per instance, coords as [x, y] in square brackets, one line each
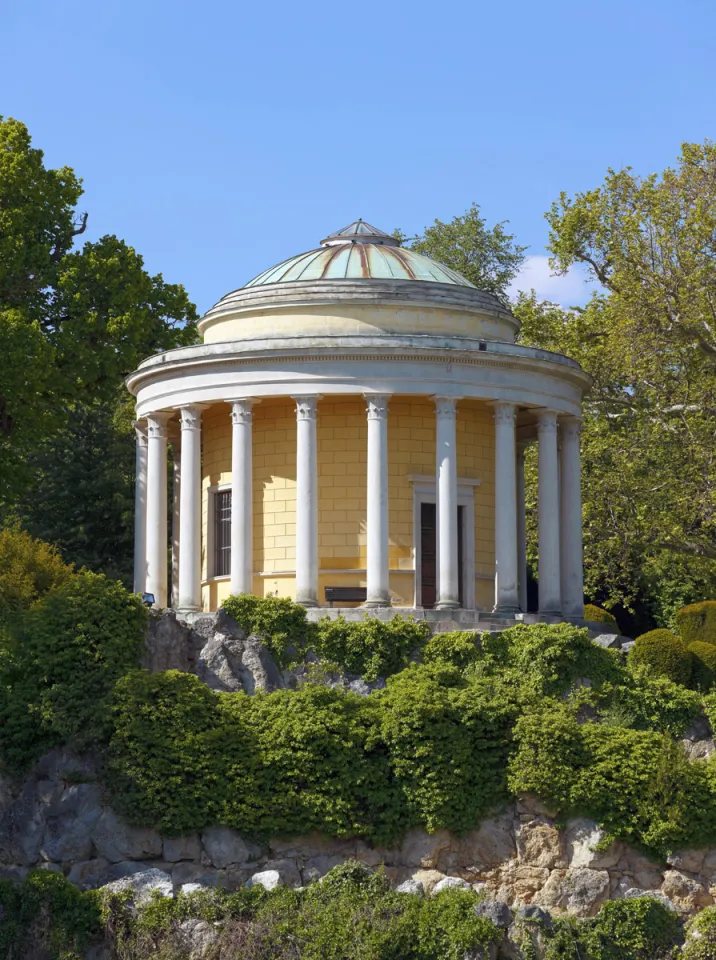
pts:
[72, 322]
[489, 258]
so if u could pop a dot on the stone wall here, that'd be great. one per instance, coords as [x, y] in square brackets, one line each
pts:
[53, 821]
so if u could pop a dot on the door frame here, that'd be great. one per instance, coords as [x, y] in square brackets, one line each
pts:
[424, 492]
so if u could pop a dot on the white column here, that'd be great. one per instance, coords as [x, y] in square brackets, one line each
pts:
[506, 569]
[521, 527]
[378, 578]
[548, 540]
[175, 442]
[242, 509]
[571, 519]
[448, 597]
[306, 502]
[157, 542]
[140, 507]
[189, 590]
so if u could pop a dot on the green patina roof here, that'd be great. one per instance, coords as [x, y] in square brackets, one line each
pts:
[359, 252]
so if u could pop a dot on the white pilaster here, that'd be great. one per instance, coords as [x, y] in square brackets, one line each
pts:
[242, 564]
[521, 527]
[572, 572]
[548, 540]
[157, 533]
[506, 565]
[448, 597]
[306, 502]
[189, 590]
[378, 576]
[175, 443]
[140, 507]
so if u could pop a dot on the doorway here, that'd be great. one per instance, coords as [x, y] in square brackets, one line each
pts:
[429, 557]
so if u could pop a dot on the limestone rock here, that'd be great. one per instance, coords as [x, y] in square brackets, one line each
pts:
[496, 911]
[410, 886]
[230, 661]
[224, 847]
[491, 844]
[581, 838]
[117, 841]
[699, 749]
[198, 937]
[532, 807]
[635, 893]
[318, 867]
[690, 861]
[143, 883]
[22, 827]
[686, 893]
[533, 914]
[610, 641]
[421, 849]
[426, 878]
[186, 873]
[580, 892]
[540, 845]
[89, 874]
[450, 883]
[315, 845]
[168, 643]
[268, 879]
[289, 874]
[181, 848]
[70, 821]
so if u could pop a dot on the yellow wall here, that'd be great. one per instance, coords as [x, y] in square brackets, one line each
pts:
[342, 454]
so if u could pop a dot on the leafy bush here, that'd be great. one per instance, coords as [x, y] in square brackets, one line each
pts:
[701, 936]
[65, 656]
[47, 916]
[458, 647]
[547, 659]
[703, 665]
[663, 654]
[697, 622]
[29, 569]
[448, 743]
[637, 784]
[645, 702]
[280, 623]
[372, 648]
[597, 615]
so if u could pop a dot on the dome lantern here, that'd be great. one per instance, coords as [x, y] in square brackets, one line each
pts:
[360, 232]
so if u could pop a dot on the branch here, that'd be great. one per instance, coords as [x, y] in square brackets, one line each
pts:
[689, 548]
[62, 248]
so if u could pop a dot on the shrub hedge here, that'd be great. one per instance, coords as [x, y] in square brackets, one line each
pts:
[663, 654]
[598, 615]
[29, 569]
[703, 665]
[281, 624]
[370, 647]
[697, 622]
[458, 647]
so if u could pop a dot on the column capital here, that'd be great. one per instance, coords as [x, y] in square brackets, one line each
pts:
[504, 411]
[445, 407]
[157, 424]
[546, 422]
[242, 410]
[377, 405]
[306, 406]
[140, 431]
[190, 417]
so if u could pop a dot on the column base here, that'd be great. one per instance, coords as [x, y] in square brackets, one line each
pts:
[309, 602]
[447, 605]
[377, 604]
[550, 613]
[507, 608]
[194, 608]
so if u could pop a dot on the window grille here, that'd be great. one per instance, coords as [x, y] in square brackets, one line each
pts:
[222, 533]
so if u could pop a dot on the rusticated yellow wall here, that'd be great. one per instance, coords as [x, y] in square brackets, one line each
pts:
[342, 456]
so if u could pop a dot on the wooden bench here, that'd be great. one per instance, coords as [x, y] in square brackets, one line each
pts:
[346, 594]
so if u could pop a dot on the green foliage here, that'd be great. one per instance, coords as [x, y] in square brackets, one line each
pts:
[29, 569]
[458, 647]
[489, 258]
[46, 916]
[598, 615]
[448, 743]
[703, 665]
[644, 702]
[280, 623]
[371, 647]
[64, 657]
[697, 622]
[637, 784]
[701, 936]
[641, 929]
[547, 659]
[663, 654]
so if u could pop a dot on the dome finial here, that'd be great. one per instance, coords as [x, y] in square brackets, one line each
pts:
[360, 232]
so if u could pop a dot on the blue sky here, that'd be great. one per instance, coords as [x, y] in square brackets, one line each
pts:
[219, 138]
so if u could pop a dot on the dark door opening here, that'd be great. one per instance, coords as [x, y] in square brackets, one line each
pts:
[428, 554]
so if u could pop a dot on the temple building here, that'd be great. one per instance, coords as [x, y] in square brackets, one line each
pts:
[352, 430]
